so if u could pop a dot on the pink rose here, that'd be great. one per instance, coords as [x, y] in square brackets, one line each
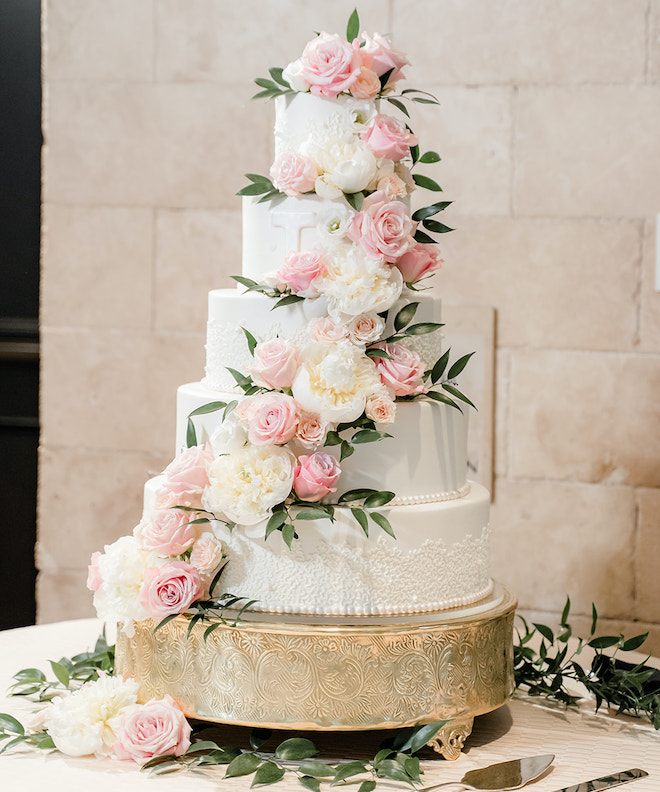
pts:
[420, 261]
[186, 476]
[152, 729]
[381, 409]
[207, 557]
[94, 579]
[330, 65]
[168, 531]
[273, 419]
[299, 271]
[326, 330]
[171, 588]
[387, 137]
[275, 363]
[379, 55]
[383, 228]
[403, 373]
[293, 174]
[365, 328]
[311, 430]
[315, 476]
[367, 84]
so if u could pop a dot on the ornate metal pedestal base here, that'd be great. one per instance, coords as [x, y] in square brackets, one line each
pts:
[306, 673]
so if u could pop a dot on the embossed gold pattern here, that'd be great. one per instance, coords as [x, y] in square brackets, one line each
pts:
[325, 675]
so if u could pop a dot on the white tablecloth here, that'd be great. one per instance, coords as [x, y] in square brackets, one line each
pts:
[585, 745]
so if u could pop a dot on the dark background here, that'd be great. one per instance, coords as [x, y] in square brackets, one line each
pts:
[20, 151]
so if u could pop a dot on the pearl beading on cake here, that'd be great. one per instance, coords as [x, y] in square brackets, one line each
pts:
[437, 497]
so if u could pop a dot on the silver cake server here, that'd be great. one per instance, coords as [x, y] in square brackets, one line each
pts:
[605, 782]
[501, 776]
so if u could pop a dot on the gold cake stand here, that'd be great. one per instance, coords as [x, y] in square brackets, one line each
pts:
[318, 673]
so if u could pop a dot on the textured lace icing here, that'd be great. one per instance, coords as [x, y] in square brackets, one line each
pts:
[374, 578]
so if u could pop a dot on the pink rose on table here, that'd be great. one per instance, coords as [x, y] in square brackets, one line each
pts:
[315, 476]
[311, 430]
[387, 137]
[152, 729]
[186, 474]
[169, 589]
[381, 409]
[299, 271]
[94, 579]
[168, 531]
[403, 373]
[383, 228]
[379, 55]
[421, 260]
[275, 363]
[330, 64]
[367, 84]
[293, 174]
[273, 419]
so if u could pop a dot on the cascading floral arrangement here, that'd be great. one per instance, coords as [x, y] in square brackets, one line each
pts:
[276, 456]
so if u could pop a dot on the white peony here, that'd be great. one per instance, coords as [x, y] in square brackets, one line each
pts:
[345, 168]
[335, 380]
[87, 721]
[245, 485]
[230, 436]
[121, 567]
[293, 75]
[355, 284]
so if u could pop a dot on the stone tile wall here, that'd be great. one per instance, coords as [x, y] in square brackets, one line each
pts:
[548, 130]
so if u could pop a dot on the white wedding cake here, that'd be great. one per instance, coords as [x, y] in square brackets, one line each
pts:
[321, 462]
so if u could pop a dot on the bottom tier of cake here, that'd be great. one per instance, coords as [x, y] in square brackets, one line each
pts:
[330, 674]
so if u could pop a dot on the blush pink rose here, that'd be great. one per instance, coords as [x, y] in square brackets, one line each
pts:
[311, 430]
[169, 589]
[387, 137]
[275, 363]
[367, 84]
[420, 261]
[365, 328]
[330, 64]
[327, 330]
[293, 174]
[379, 56]
[273, 419]
[403, 373]
[168, 531]
[94, 579]
[383, 228]
[152, 729]
[299, 271]
[315, 476]
[186, 476]
[381, 409]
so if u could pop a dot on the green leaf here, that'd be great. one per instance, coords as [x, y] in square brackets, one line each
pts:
[191, 435]
[458, 366]
[390, 769]
[429, 157]
[422, 328]
[349, 770]
[311, 514]
[355, 200]
[16, 741]
[267, 773]
[241, 379]
[295, 749]
[411, 766]
[247, 282]
[426, 182]
[414, 153]
[604, 642]
[202, 745]
[455, 392]
[565, 612]
[10, 725]
[310, 783]
[254, 189]
[594, 618]
[43, 741]
[440, 397]
[405, 316]
[377, 353]
[355, 494]
[61, 673]
[346, 450]
[244, 764]
[421, 100]
[384, 753]
[276, 521]
[317, 769]
[429, 211]
[436, 227]
[398, 104]
[332, 439]
[384, 77]
[288, 534]
[634, 643]
[367, 786]
[288, 300]
[383, 522]
[368, 436]
[378, 499]
[251, 340]
[440, 365]
[421, 735]
[545, 631]
[276, 74]
[164, 621]
[361, 517]
[353, 26]
[258, 178]
[424, 239]
[30, 675]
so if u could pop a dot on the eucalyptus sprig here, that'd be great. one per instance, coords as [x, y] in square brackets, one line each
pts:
[261, 185]
[395, 761]
[549, 670]
[215, 609]
[362, 430]
[404, 329]
[371, 499]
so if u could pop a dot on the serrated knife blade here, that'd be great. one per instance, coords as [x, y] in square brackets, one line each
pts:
[606, 782]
